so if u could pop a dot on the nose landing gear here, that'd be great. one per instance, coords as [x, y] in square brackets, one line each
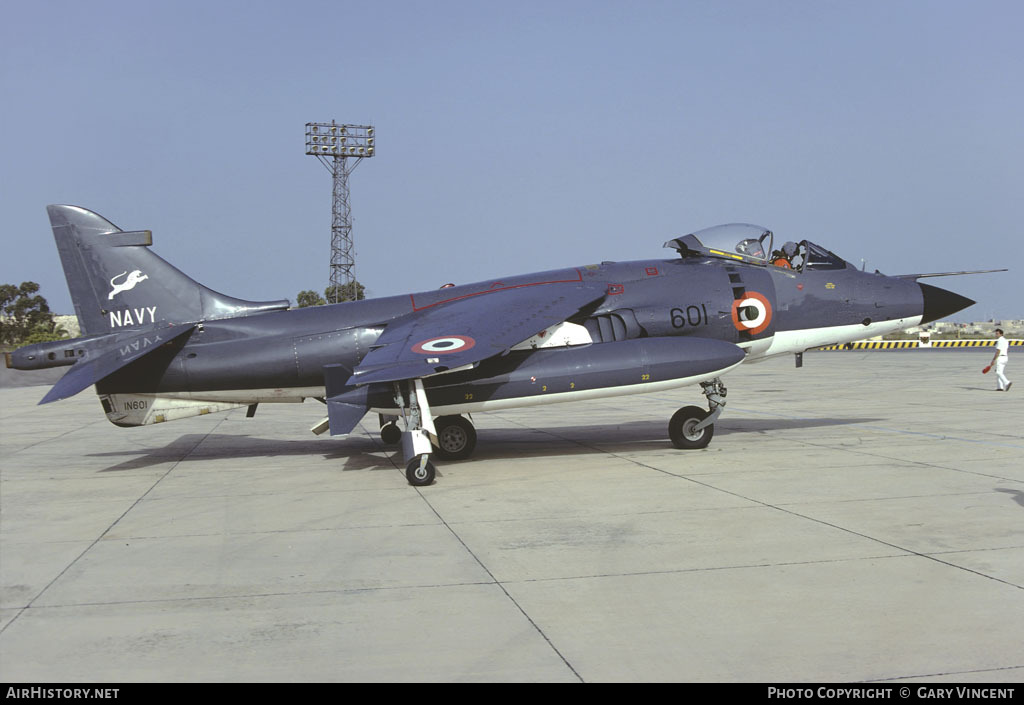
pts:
[683, 431]
[691, 427]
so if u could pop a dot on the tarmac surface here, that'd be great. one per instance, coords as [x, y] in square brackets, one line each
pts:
[860, 519]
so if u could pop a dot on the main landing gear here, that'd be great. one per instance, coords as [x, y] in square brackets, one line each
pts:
[456, 436]
[453, 436]
[390, 434]
[691, 427]
[419, 427]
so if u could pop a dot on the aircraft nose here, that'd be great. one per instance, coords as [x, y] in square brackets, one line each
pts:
[939, 303]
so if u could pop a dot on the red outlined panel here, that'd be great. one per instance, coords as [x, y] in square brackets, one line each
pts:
[423, 303]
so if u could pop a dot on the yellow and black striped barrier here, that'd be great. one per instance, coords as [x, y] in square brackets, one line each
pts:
[898, 344]
[873, 345]
[971, 343]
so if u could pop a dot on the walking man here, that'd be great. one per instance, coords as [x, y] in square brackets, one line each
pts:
[999, 360]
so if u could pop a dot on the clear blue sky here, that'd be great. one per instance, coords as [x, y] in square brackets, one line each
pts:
[516, 137]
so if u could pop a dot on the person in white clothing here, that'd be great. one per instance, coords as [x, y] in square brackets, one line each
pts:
[999, 360]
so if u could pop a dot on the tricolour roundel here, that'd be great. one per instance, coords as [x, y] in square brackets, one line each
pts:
[444, 344]
[751, 313]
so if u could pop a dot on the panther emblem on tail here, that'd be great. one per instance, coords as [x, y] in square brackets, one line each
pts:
[134, 278]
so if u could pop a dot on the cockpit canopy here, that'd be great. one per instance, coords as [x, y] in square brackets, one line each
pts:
[754, 244]
[739, 241]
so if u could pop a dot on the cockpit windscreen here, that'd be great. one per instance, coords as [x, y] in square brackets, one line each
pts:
[817, 257]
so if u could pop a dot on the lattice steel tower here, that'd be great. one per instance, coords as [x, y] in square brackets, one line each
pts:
[334, 145]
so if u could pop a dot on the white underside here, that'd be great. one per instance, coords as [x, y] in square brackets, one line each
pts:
[250, 396]
[575, 395]
[143, 409]
[795, 341]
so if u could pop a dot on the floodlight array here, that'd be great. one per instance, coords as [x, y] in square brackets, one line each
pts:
[332, 140]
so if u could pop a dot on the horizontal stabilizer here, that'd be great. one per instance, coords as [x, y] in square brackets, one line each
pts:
[122, 351]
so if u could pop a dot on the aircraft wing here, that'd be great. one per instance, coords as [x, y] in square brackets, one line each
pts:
[122, 351]
[456, 333]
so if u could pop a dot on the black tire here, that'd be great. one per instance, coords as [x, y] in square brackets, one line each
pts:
[456, 437]
[390, 434]
[680, 428]
[420, 476]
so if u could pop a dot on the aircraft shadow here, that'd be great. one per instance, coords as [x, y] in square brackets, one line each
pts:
[193, 447]
[625, 437]
[362, 452]
[1018, 496]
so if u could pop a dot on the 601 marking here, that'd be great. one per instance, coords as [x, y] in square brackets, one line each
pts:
[693, 315]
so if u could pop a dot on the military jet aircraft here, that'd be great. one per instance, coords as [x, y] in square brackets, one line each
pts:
[160, 346]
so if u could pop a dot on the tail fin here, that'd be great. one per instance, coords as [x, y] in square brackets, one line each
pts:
[117, 283]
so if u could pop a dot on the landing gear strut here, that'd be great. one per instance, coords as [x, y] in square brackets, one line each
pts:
[419, 427]
[453, 437]
[691, 427]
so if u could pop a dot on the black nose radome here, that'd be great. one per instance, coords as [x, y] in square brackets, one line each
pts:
[939, 303]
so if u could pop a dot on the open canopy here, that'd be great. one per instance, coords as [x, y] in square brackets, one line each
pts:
[739, 241]
[754, 244]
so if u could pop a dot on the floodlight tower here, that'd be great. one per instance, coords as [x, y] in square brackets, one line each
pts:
[334, 145]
